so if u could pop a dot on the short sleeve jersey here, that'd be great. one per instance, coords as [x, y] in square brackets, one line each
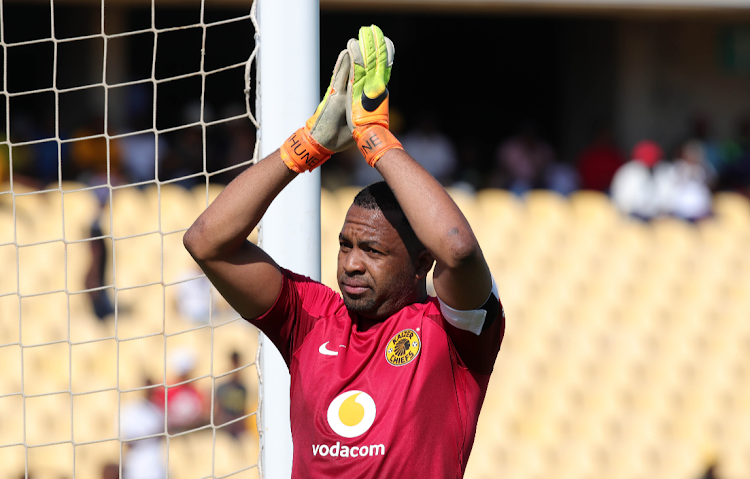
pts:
[397, 398]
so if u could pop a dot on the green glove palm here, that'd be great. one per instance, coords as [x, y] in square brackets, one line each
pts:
[371, 64]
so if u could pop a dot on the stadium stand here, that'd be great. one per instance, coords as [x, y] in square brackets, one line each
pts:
[626, 352]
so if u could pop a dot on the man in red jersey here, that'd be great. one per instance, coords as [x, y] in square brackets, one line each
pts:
[385, 380]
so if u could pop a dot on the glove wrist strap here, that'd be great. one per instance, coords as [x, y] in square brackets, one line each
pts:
[363, 117]
[301, 152]
[373, 141]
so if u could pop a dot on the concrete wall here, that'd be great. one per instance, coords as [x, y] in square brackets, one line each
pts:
[586, 88]
[668, 73]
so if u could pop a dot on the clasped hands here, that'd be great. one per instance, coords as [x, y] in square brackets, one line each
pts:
[353, 110]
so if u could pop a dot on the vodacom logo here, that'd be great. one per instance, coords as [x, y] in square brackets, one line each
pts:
[351, 414]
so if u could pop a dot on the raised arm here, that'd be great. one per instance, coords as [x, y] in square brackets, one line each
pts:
[243, 273]
[461, 278]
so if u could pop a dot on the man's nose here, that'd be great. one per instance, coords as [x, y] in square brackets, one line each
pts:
[353, 263]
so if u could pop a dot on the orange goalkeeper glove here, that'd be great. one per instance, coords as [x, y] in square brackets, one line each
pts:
[326, 131]
[367, 92]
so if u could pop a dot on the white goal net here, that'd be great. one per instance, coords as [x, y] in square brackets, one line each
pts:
[119, 126]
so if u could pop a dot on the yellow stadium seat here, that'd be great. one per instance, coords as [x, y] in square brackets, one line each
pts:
[13, 460]
[593, 209]
[81, 210]
[498, 205]
[548, 207]
[674, 237]
[732, 209]
[178, 208]
[624, 351]
[468, 204]
[231, 456]
[51, 461]
[204, 196]
[132, 212]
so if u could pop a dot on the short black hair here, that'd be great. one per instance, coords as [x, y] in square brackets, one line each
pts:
[379, 196]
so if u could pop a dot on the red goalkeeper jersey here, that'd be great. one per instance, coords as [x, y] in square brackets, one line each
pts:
[402, 397]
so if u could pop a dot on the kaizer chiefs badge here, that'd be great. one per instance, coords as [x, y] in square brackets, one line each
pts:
[403, 348]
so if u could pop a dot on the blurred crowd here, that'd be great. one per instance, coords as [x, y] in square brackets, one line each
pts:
[187, 408]
[648, 181]
[85, 156]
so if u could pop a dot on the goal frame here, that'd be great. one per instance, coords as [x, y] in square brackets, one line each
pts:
[288, 91]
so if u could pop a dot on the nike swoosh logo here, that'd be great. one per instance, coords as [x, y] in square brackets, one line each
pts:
[372, 104]
[325, 351]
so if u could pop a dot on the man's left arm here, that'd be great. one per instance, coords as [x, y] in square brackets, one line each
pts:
[462, 278]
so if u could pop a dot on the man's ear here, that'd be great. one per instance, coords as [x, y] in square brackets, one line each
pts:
[424, 262]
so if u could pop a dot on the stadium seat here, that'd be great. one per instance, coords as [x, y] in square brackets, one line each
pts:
[547, 207]
[204, 196]
[593, 209]
[732, 209]
[625, 351]
[468, 204]
[178, 209]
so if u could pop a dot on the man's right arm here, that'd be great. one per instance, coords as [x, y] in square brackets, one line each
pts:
[243, 273]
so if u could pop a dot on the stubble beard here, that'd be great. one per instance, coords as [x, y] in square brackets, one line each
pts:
[370, 307]
[361, 306]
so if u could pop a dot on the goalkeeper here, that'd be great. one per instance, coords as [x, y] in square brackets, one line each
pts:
[385, 380]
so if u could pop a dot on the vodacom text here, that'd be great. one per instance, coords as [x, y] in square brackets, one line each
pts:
[337, 450]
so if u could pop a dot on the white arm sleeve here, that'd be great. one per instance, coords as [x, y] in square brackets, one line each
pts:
[473, 320]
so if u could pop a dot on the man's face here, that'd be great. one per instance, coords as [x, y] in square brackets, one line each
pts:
[376, 275]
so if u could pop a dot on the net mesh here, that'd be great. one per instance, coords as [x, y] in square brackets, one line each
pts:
[115, 349]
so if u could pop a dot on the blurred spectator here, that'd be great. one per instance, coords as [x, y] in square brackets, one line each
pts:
[709, 151]
[45, 154]
[710, 472]
[139, 151]
[186, 406]
[689, 196]
[431, 148]
[91, 160]
[734, 169]
[640, 186]
[111, 471]
[599, 162]
[194, 297]
[469, 176]
[521, 160]
[143, 459]
[186, 156]
[561, 178]
[237, 144]
[231, 398]
[24, 157]
[4, 161]
[95, 277]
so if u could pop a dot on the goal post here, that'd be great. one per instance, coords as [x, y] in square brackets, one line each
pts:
[289, 90]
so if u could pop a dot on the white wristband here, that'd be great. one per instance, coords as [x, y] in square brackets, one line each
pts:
[472, 320]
